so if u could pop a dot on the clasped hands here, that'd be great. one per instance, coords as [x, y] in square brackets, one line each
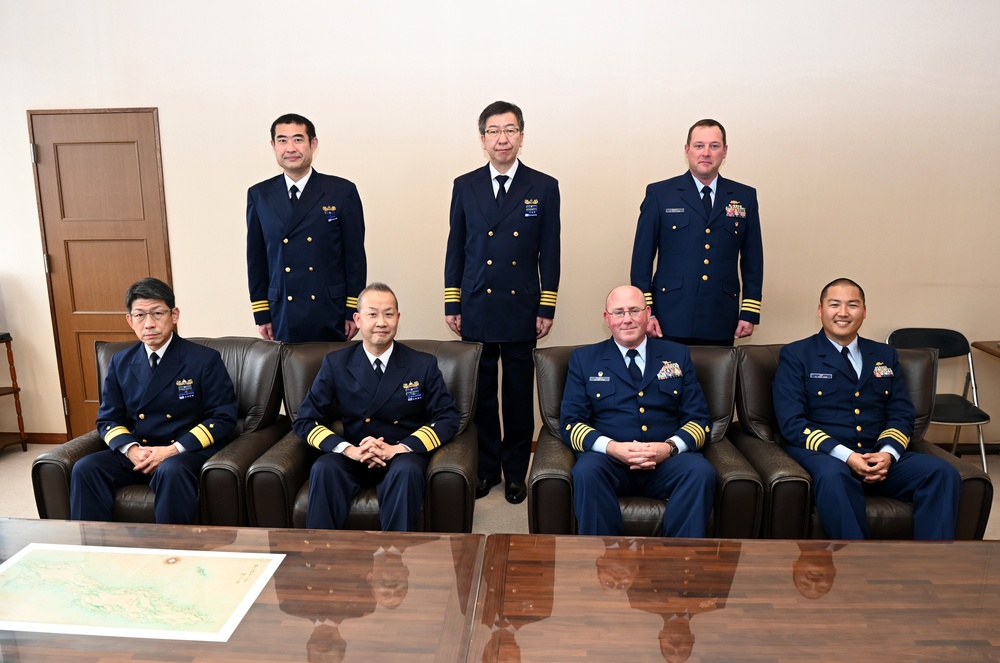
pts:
[871, 467]
[374, 451]
[147, 459]
[639, 455]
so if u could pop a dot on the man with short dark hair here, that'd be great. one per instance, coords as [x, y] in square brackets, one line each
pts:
[846, 417]
[305, 244]
[396, 411]
[635, 414]
[703, 232]
[501, 277]
[168, 405]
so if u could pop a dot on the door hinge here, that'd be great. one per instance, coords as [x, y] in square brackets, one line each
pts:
[65, 406]
[34, 154]
[45, 259]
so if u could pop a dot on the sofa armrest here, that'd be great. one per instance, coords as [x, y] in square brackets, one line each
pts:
[787, 486]
[274, 480]
[451, 477]
[976, 498]
[224, 475]
[51, 472]
[738, 494]
[550, 487]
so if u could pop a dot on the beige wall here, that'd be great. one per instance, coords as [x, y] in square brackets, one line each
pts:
[869, 129]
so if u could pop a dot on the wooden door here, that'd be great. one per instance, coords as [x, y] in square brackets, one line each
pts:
[100, 196]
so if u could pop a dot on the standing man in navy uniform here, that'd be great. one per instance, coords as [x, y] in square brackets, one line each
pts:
[396, 411]
[306, 259]
[849, 432]
[635, 414]
[168, 405]
[704, 233]
[501, 277]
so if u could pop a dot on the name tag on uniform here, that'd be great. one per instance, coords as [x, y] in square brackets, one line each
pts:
[331, 213]
[674, 210]
[412, 391]
[530, 207]
[822, 376]
[599, 378]
[185, 389]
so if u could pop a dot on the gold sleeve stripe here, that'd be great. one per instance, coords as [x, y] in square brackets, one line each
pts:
[751, 305]
[115, 432]
[814, 439]
[897, 435]
[428, 437]
[649, 298]
[259, 306]
[317, 435]
[452, 295]
[578, 433]
[695, 431]
[203, 434]
[548, 298]
[352, 302]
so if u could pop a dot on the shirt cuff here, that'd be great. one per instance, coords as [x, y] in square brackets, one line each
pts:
[601, 444]
[681, 444]
[840, 452]
[339, 449]
[180, 447]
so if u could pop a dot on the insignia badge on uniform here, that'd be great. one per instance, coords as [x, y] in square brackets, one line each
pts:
[185, 389]
[821, 376]
[412, 391]
[674, 210]
[599, 378]
[735, 209]
[530, 207]
[882, 371]
[669, 370]
[331, 213]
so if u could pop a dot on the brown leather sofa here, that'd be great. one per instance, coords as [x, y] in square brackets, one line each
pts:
[279, 481]
[788, 509]
[738, 495]
[253, 366]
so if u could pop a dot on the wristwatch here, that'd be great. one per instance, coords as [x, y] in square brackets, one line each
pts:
[673, 448]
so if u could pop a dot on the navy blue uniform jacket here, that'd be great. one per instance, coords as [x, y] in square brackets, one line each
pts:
[307, 267]
[501, 269]
[600, 398]
[411, 404]
[819, 405]
[188, 399]
[695, 292]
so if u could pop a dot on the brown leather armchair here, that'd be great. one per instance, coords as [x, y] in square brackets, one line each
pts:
[739, 491]
[253, 366]
[788, 508]
[279, 481]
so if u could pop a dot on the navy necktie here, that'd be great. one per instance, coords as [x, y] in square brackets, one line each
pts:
[706, 200]
[378, 368]
[501, 191]
[847, 357]
[154, 361]
[293, 194]
[633, 367]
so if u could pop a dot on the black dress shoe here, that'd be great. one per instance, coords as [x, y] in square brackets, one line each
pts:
[483, 486]
[516, 492]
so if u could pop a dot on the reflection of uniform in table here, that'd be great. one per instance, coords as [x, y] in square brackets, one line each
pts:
[7, 439]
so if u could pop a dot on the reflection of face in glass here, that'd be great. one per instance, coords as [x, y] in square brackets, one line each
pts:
[813, 573]
[618, 566]
[325, 645]
[676, 640]
[389, 579]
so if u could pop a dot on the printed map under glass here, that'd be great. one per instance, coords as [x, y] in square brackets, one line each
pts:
[131, 592]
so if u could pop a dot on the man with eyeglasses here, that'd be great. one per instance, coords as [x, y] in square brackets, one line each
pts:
[634, 413]
[501, 278]
[703, 232]
[168, 405]
[306, 259]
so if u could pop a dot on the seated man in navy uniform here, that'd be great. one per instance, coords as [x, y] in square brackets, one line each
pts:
[849, 432]
[636, 416]
[168, 405]
[396, 410]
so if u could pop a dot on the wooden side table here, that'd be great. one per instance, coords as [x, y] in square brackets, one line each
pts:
[8, 439]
